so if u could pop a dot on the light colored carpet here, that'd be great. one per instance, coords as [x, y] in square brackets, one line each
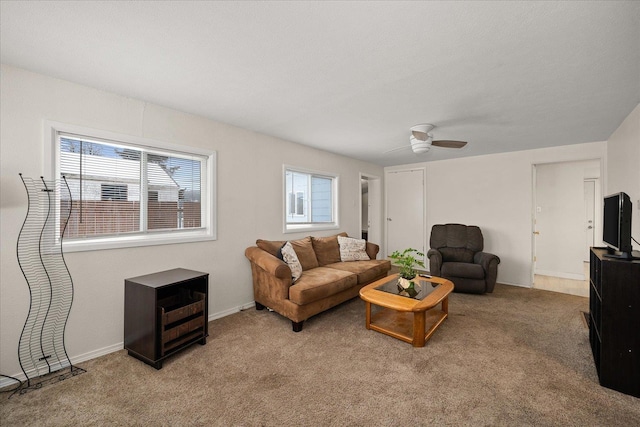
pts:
[515, 357]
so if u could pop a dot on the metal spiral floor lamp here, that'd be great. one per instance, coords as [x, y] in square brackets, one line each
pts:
[41, 352]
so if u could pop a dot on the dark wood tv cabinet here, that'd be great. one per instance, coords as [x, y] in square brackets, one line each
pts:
[614, 310]
[164, 313]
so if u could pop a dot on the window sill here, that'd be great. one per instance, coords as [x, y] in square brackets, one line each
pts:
[296, 228]
[120, 242]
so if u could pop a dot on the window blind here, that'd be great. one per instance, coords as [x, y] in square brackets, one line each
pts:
[120, 189]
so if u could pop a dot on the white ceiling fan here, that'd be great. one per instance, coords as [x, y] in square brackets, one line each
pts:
[421, 140]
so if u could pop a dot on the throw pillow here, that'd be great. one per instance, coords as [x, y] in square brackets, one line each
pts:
[279, 253]
[352, 249]
[290, 257]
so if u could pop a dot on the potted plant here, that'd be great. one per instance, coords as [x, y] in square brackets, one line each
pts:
[407, 262]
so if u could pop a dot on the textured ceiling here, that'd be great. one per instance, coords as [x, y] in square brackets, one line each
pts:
[352, 77]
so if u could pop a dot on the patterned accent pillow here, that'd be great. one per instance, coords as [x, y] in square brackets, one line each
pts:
[289, 256]
[352, 249]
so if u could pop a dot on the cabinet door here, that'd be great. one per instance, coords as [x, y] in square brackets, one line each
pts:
[140, 320]
[620, 350]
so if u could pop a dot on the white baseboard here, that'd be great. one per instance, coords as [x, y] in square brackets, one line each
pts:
[520, 285]
[225, 313]
[573, 276]
[6, 382]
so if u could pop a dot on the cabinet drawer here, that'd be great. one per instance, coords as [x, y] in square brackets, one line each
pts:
[188, 308]
[182, 329]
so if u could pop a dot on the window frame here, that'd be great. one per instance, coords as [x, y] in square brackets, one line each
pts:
[208, 229]
[310, 226]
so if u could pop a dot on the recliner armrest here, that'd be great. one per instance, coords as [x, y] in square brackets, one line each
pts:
[485, 258]
[435, 262]
[489, 263]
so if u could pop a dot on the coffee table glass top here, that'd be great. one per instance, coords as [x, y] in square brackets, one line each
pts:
[421, 290]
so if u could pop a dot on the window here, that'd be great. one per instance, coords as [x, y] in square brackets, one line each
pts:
[311, 200]
[127, 191]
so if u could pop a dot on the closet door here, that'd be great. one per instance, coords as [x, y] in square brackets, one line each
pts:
[405, 208]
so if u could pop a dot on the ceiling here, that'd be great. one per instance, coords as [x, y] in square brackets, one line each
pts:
[353, 77]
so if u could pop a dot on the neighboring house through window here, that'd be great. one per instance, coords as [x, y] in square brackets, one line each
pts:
[113, 192]
[107, 174]
[310, 200]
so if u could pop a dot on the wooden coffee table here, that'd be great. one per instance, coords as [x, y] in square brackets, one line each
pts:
[403, 317]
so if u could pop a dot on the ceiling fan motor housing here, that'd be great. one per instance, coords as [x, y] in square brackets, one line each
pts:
[424, 128]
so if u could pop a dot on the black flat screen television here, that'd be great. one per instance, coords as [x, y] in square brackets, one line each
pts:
[616, 227]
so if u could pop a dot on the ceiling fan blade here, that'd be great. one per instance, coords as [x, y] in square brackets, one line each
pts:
[422, 136]
[444, 143]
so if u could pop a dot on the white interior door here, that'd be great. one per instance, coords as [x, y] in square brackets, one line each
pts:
[405, 210]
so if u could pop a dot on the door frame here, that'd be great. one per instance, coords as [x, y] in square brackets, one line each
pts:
[599, 191]
[597, 195]
[375, 188]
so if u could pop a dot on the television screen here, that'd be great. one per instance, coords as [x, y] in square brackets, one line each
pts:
[616, 225]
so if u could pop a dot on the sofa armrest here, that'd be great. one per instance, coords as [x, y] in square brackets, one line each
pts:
[372, 250]
[435, 262]
[268, 262]
[271, 278]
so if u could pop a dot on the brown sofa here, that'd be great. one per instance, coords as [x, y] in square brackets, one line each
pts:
[325, 282]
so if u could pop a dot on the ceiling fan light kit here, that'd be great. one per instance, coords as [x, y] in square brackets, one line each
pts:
[418, 146]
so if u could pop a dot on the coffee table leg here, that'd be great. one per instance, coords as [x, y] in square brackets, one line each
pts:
[445, 305]
[368, 314]
[418, 328]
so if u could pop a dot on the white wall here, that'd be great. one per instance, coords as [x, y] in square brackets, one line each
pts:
[249, 185]
[495, 192]
[623, 166]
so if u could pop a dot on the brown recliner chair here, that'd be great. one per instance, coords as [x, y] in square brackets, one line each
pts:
[456, 254]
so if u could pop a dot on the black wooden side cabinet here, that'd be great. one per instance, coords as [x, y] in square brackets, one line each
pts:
[164, 313]
[614, 323]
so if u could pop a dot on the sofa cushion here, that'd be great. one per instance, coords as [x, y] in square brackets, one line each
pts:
[289, 256]
[303, 248]
[365, 270]
[306, 255]
[327, 249]
[319, 283]
[352, 249]
[462, 269]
